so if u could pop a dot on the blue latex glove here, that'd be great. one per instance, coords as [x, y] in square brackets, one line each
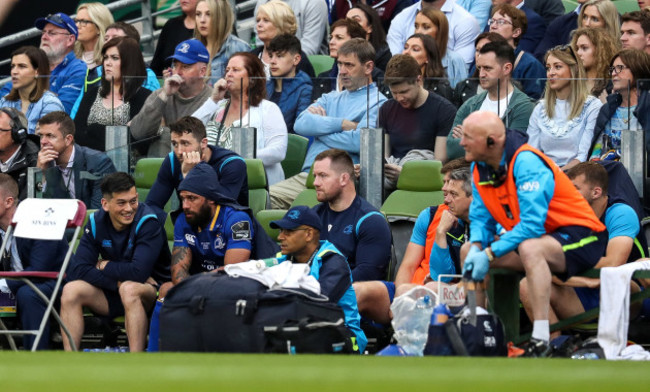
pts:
[477, 262]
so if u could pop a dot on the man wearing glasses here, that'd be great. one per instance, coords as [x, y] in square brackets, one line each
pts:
[67, 73]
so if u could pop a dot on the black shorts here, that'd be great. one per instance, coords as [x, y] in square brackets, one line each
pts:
[582, 248]
[115, 306]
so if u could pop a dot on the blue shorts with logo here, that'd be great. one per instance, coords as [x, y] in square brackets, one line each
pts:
[582, 248]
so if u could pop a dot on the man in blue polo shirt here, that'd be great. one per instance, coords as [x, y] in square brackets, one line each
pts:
[67, 72]
[300, 242]
[189, 147]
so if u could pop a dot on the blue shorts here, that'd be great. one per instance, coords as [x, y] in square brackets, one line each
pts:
[582, 248]
[390, 286]
[590, 298]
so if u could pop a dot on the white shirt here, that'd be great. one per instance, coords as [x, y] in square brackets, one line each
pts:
[499, 107]
[16, 264]
[463, 29]
[4, 166]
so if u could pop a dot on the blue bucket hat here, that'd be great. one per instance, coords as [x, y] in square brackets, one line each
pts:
[59, 20]
[190, 52]
[296, 217]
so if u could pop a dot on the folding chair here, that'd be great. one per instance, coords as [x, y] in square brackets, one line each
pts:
[30, 221]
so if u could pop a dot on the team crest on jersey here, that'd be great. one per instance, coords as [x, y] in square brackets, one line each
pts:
[190, 238]
[348, 229]
[241, 230]
[107, 244]
[218, 242]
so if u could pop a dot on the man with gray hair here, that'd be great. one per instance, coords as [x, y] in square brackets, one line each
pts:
[434, 248]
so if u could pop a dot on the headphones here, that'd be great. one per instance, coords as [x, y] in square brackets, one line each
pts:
[490, 141]
[18, 131]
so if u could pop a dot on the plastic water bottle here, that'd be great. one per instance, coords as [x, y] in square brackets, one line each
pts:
[585, 355]
[418, 328]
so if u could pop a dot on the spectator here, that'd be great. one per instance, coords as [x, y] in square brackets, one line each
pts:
[423, 49]
[535, 26]
[355, 227]
[92, 20]
[434, 247]
[300, 230]
[622, 109]
[547, 9]
[312, 23]
[17, 150]
[214, 27]
[480, 9]
[289, 87]
[432, 22]
[463, 27]
[245, 83]
[494, 64]
[28, 255]
[273, 19]
[228, 231]
[385, 9]
[635, 30]
[335, 120]
[601, 14]
[510, 23]
[369, 19]
[190, 147]
[562, 124]
[119, 97]
[115, 30]
[29, 93]
[546, 220]
[70, 170]
[595, 49]
[66, 71]
[559, 31]
[175, 31]
[130, 242]
[183, 92]
[579, 294]
[414, 119]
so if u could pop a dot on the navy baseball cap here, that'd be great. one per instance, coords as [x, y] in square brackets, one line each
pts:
[191, 51]
[298, 216]
[59, 20]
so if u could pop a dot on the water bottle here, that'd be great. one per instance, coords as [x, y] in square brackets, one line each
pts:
[418, 328]
[585, 355]
[441, 314]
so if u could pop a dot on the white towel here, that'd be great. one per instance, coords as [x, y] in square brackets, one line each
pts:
[614, 317]
[284, 275]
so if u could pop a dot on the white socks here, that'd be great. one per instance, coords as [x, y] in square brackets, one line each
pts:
[541, 330]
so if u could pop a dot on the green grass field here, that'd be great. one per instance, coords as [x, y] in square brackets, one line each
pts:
[72, 372]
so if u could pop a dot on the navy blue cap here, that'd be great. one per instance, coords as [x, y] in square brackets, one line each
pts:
[59, 20]
[203, 181]
[191, 51]
[298, 216]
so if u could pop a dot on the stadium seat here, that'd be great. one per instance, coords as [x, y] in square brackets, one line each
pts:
[321, 63]
[624, 6]
[308, 196]
[419, 186]
[295, 157]
[569, 6]
[258, 193]
[146, 171]
[169, 230]
[265, 217]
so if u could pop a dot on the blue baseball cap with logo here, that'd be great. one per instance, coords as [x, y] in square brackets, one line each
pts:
[296, 217]
[191, 51]
[59, 20]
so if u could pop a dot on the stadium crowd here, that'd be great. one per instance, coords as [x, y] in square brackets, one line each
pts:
[523, 105]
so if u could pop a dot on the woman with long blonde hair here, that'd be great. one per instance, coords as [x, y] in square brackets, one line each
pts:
[601, 14]
[562, 124]
[595, 48]
[92, 20]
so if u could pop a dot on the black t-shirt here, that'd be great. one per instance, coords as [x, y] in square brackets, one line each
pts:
[416, 129]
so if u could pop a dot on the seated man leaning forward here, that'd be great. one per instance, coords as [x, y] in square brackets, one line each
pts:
[122, 259]
[434, 248]
[207, 235]
[300, 243]
[548, 223]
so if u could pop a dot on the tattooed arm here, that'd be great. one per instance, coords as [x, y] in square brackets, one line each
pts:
[181, 261]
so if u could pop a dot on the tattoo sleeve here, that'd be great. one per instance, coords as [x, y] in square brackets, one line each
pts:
[181, 261]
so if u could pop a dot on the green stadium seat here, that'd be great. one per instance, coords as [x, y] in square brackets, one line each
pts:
[169, 230]
[265, 217]
[624, 6]
[419, 186]
[295, 157]
[321, 63]
[569, 6]
[308, 196]
[146, 171]
[258, 193]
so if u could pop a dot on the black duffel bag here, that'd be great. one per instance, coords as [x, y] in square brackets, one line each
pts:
[214, 312]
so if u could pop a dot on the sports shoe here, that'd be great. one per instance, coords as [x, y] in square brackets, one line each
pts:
[536, 348]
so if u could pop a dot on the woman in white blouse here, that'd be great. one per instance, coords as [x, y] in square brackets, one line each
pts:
[238, 101]
[562, 123]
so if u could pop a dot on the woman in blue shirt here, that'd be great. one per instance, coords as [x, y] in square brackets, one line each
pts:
[30, 70]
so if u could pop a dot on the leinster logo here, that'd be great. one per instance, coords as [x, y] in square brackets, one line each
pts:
[183, 48]
[293, 215]
[218, 242]
[348, 229]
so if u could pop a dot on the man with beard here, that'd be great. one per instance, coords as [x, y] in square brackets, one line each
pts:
[67, 73]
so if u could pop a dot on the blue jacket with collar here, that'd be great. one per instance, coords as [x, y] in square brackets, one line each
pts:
[295, 96]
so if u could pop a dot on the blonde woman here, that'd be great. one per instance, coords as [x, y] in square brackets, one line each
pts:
[277, 18]
[562, 123]
[601, 14]
[214, 21]
[92, 20]
[595, 48]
